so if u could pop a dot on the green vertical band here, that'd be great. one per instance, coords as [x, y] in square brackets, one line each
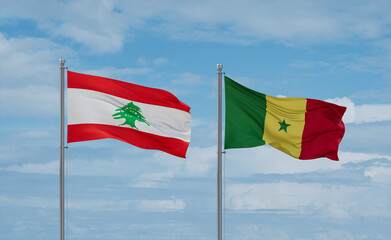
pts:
[245, 112]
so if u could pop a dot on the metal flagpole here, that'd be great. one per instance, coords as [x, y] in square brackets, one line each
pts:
[62, 63]
[219, 151]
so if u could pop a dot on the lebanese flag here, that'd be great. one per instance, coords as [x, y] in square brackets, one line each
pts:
[145, 117]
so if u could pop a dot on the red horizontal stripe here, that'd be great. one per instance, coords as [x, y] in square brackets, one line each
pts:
[323, 130]
[132, 92]
[86, 132]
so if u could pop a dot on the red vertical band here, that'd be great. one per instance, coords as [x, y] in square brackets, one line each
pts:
[323, 130]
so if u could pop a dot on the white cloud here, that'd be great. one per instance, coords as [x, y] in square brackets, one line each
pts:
[160, 61]
[29, 100]
[378, 63]
[98, 204]
[147, 205]
[142, 61]
[78, 167]
[269, 196]
[30, 61]
[307, 64]
[35, 202]
[379, 174]
[198, 163]
[29, 76]
[187, 78]
[381, 95]
[254, 231]
[355, 157]
[98, 26]
[306, 21]
[105, 41]
[335, 201]
[11, 153]
[34, 134]
[103, 26]
[366, 113]
[373, 113]
[268, 160]
[270, 230]
[152, 180]
[40, 168]
[171, 205]
[157, 62]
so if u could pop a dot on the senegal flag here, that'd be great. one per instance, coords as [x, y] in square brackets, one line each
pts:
[303, 128]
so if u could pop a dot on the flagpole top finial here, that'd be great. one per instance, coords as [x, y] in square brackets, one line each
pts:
[219, 67]
[62, 61]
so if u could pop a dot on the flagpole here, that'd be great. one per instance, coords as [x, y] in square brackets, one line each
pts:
[219, 151]
[62, 63]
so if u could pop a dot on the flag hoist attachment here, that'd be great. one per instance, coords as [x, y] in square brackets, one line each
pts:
[219, 151]
[62, 147]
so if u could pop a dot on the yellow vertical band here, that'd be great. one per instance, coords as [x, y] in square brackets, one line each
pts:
[285, 114]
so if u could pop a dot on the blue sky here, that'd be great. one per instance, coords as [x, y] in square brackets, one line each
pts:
[329, 50]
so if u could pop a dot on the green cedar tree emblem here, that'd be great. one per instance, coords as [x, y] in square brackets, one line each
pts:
[284, 126]
[131, 113]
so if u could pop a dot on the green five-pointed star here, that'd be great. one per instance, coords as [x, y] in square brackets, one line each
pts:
[283, 126]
